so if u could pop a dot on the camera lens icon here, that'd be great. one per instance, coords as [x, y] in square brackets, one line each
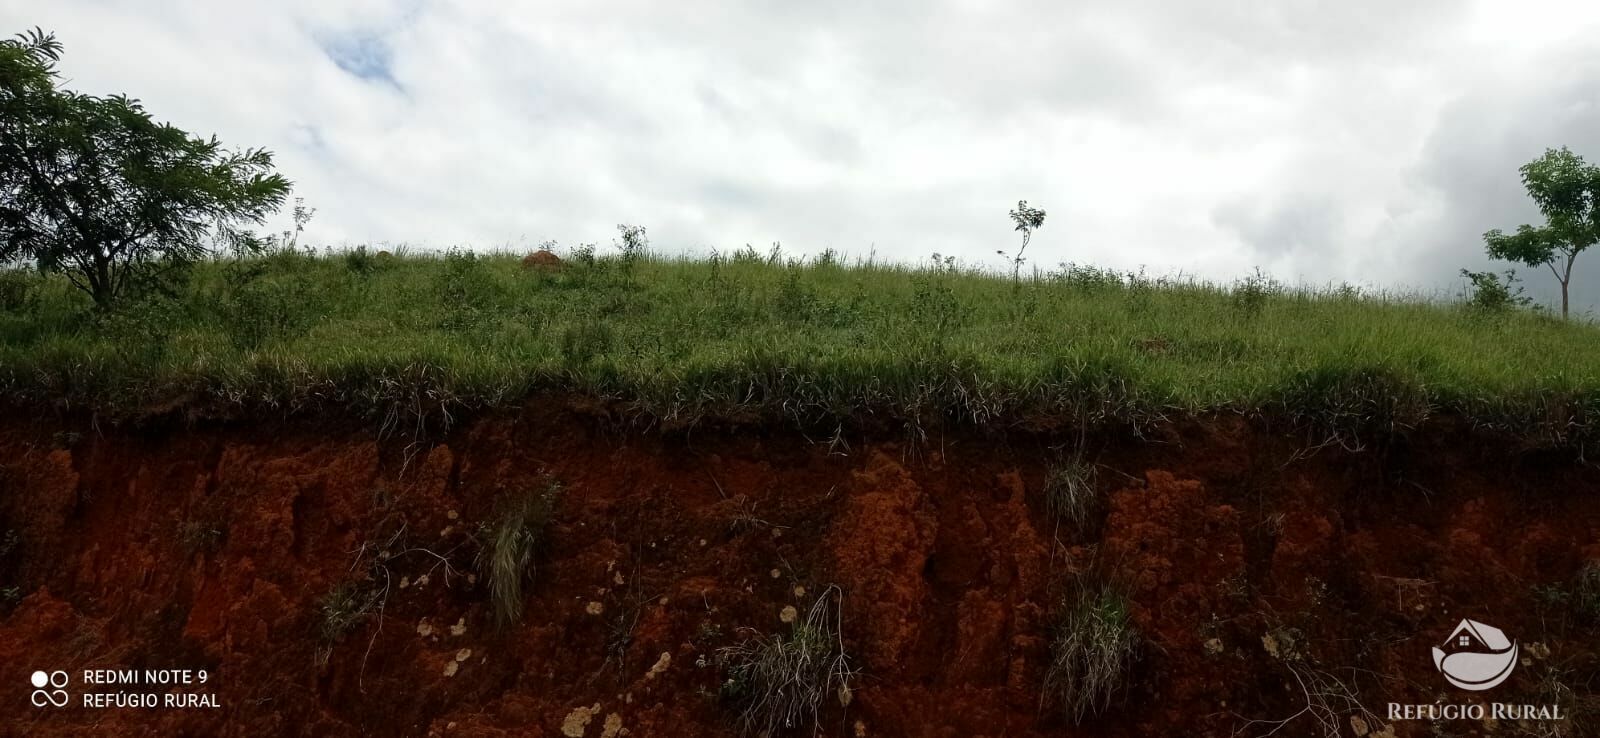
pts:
[48, 688]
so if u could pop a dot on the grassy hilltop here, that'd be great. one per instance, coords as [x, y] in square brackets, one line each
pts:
[816, 341]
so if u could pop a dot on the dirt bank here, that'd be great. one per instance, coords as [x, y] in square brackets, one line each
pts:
[1248, 558]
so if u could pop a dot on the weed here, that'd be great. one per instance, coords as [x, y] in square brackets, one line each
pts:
[1493, 294]
[257, 303]
[777, 683]
[935, 311]
[744, 519]
[19, 291]
[466, 292]
[707, 632]
[9, 595]
[1580, 597]
[1330, 703]
[1092, 654]
[747, 255]
[1086, 277]
[342, 609]
[360, 262]
[1069, 492]
[1250, 295]
[585, 342]
[1586, 591]
[196, 536]
[794, 301]
[1581, 712]
[635, 244]
[514, 539]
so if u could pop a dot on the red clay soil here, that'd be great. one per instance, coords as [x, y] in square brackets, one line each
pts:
[1248, 560]
[542, 260]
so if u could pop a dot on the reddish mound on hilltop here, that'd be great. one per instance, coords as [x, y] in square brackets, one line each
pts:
[542, 260]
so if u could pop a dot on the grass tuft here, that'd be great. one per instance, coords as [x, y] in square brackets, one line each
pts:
[342, 609]
[777, 683]
[513, 540]
[1092, 653]
[1069, 493]
[1586, 592]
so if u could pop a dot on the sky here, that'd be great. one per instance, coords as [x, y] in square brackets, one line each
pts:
[1362, 141]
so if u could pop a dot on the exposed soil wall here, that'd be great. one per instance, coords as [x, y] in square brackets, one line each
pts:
[1247, 557]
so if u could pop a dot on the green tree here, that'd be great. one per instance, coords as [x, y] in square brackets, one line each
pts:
[1567, 192]
[1027, 220]
[93, 187]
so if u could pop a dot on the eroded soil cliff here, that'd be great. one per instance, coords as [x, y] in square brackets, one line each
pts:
[1252, 562]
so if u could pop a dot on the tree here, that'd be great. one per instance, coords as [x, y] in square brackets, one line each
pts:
[1028, 220]
[1567, 192]
[92, 187]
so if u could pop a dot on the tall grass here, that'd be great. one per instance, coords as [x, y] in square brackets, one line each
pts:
[683, 338]
[1092, 653]
[777, 683]
[512, 540]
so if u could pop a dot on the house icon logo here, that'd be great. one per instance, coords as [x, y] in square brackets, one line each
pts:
[1476, 656]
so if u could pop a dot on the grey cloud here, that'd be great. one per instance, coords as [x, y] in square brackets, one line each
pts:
[1470, 163]
[1301, 223]
[1365, 140]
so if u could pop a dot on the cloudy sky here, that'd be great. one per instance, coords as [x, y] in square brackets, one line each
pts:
[1368, 141]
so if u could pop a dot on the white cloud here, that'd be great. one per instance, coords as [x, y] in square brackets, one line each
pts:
[1365, 140]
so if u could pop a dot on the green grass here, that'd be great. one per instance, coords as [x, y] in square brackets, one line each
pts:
[1069, 492]
[681, 339]
[776, 683]
[1092, 653]
[512, 542]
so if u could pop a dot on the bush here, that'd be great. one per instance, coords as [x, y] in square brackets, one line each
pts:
[1250, 294]
[256, 306]
[795, 301]
[747, 255]
[144, 324]
[935, 311]
[360, 262]
[514, 539]
[1092, 653]
[466, 290]
[635, 244]
[19, 291]
[1087, 278]
[776, 683]
[1492, 293]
